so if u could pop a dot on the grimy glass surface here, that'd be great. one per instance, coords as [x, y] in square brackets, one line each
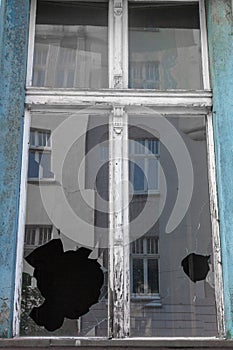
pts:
[71, 45]
[164, 46]
[67, 205]
[172, 277]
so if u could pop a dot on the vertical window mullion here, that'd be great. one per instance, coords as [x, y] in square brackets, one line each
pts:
[119, 269]
[118, 44]
[119, 279]
[125, 54]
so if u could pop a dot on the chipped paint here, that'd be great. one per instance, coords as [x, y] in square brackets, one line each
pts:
[13, 39]
[220, 30]
[119, 236]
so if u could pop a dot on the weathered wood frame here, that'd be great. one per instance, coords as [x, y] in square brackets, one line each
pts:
[119, 99]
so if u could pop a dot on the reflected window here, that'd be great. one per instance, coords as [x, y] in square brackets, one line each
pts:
[143, 166]
[37, 235]
[39, 165]
[145, 266]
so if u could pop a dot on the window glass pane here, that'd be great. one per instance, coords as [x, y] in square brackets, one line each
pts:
[33, 165]
[138, 175]
[178, 296]
[45, 163]
[153, 146]
[138, 279]
[32, 138]
[152, 246]
[143, 165]
[30, 236]
[65, 271]
[152, 177]
[40, 139]
[164, 46]
[153, 277]
[71, 45]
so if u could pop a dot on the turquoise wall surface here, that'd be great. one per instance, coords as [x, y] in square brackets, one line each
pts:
[13, 48]
[220, 36]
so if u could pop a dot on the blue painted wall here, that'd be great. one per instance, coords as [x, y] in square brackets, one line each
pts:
[220, 36]
[13, 47]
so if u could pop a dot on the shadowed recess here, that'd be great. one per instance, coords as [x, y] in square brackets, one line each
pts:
[69, 281]
[196, 266]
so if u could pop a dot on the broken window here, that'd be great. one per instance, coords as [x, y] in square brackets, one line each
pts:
[66, 231]
[173, 287]
[118, 239]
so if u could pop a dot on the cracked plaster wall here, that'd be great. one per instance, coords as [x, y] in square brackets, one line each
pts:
[13, 48]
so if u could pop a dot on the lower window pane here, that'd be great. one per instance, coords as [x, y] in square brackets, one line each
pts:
[33, 166]
[173, 230]
[64, 284]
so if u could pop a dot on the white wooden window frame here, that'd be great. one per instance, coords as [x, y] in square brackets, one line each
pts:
[122, 102]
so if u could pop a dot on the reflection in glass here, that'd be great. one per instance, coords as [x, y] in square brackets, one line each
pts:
[71, 206]
[145, 268]
[164, 299]
[138, 280]
[71, 49]
[143, 165]
[164, 46]
[153, 283]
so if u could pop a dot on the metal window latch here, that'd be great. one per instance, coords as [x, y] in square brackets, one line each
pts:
[118, 112]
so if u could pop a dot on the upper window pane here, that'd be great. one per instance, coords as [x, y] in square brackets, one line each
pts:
[71, 45]
[164, 46]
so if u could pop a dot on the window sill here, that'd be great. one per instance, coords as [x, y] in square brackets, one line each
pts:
[129, 343]
[44, 181]
[145, 193]
[150, 300]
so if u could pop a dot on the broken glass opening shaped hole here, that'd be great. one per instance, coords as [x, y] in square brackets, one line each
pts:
[196, 266]
[69, 281]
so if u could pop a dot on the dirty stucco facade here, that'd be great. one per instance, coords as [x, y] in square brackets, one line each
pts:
[14, 21]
